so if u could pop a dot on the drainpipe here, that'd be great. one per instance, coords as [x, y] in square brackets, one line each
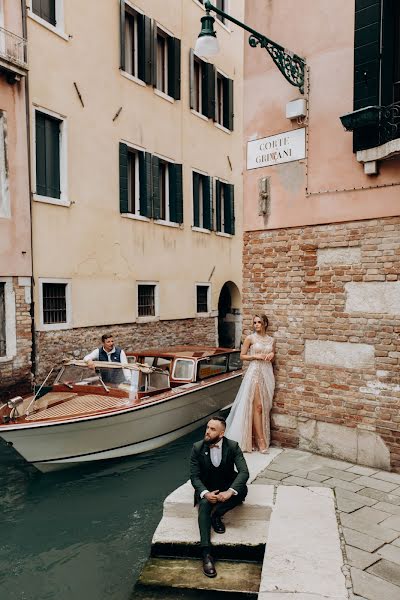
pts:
[28, 134]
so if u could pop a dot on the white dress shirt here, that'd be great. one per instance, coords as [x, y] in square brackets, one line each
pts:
[216, 457]
[95, 356]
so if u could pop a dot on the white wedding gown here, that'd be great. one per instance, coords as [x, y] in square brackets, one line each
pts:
[239, 424]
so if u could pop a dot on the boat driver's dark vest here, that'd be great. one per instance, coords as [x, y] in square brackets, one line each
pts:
[111, 375]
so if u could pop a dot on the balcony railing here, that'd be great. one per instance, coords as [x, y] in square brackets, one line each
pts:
[12, 50]
[389, 126]
[373, 126]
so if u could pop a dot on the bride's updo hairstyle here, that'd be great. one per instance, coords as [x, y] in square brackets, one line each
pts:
[264, 320]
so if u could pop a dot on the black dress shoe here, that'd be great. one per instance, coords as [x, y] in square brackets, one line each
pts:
[217, 524]
[208, 566]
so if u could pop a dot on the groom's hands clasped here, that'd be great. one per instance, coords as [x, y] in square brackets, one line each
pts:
[212, 497]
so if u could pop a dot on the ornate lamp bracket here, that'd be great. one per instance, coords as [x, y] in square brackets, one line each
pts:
[290, 65]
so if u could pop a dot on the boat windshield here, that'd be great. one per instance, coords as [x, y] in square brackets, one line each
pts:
[111, 377]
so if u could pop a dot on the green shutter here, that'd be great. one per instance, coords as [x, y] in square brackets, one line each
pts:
[145, 184]
[52, 130]
[153, 50]
[191, 78]
[122, 34]
[155, 169]
[228, 103]
[123, 178]
[218, 224]
[207, 202]
[144, 48]
[41, 188]
[175, 193]
[208, 90]
[390, 20]
[196, 199]
[174, 68]
[46, 9]
[229, 208]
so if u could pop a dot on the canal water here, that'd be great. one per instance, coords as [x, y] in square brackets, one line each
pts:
[83, 534]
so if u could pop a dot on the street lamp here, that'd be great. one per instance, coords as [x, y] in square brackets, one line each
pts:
[290, 65]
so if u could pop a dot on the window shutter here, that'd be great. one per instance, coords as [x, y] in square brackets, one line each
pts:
[153, 38]
[52, 148]
[390, 20]
[123, 178]
[175, 193]
[191, 78]
[208, 90]
[144, 48]
[207, 203]
[228, 104]
[145, 199]
[155, 168]
[218, 224]
[196, 199]
[122, 34]
[367, 40]
[174, 68]
[229, 209]
[40, 156]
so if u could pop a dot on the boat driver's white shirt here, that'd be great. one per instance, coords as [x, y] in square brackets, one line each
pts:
[95, 356]
[216, 457]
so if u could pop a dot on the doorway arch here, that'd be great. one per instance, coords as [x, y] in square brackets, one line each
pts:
[229, 316]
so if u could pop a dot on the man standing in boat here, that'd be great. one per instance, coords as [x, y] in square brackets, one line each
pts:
[218, 486]
[107, 352]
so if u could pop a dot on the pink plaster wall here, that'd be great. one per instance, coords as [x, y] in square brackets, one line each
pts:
[15, 232]
[319, 189]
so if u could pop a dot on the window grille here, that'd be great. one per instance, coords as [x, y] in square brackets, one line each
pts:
[202, 299]
[3, 348]
[54, 303]
[146, 301]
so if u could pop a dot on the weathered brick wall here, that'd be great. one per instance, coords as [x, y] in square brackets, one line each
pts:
[54, 346]
[332, 293]
[15, 374]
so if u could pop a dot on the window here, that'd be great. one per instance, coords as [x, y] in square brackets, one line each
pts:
[54, 302]
[234, 361]
[209, 367]
[202, 298]
[45, 9]
[202, 201]
[221, 4]
[147, 300]
[49, 155]
[224, 101]
[3, 347]
[224, 207]
[150, 186]
[396, 44]
[183, 369]
[135, 51]
[202, 86]
[167, 63]
[5, 210]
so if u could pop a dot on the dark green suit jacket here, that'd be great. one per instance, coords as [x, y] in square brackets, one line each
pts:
[202, 472]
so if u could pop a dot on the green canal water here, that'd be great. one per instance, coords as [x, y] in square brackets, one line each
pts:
[83, 534]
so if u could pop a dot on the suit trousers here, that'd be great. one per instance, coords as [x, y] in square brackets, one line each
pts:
[220, 508]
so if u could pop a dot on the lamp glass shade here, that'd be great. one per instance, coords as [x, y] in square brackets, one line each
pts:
[206, 45]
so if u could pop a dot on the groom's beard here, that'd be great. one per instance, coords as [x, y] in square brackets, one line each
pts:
[209, 441]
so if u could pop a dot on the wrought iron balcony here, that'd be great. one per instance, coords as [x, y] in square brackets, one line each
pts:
[12, 54]
[373, 125]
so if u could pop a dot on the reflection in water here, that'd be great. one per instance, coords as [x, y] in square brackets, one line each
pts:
[83, 533]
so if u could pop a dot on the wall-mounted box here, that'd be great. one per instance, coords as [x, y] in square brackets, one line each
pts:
[296, 108]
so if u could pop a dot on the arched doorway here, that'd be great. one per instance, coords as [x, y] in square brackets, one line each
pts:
[229, 316]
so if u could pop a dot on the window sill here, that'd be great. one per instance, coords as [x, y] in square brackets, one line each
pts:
[147, 319]
[167, 223]
[379, 152]
[164, 96]
[203, 315]
[200, 115]
[135, 217]
[5, 359]
[48, 200]
[54, 327]
[132, 78]
[223, 234]
[222, 128]
[200, 229]
[48, 26]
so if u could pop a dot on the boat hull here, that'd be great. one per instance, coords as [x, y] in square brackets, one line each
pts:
[57, 445]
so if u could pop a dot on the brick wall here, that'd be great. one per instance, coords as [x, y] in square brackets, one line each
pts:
[332, 293]
[15, 373]
[54, 346]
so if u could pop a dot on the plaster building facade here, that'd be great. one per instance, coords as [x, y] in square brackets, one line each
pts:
[322, 224]
[136, 176]
[15, 223]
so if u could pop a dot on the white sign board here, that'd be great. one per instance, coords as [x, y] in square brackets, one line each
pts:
[277, 149]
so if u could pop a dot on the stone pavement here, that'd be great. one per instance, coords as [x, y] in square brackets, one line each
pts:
[368, 513]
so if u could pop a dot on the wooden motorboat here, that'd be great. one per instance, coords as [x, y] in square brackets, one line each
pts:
[81, 414]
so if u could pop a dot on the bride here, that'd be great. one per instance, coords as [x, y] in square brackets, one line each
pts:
[248, 420]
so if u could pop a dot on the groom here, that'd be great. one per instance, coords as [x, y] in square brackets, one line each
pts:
[218, 487]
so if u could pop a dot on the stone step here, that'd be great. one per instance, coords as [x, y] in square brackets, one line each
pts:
[232, 577]
[257, 506]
